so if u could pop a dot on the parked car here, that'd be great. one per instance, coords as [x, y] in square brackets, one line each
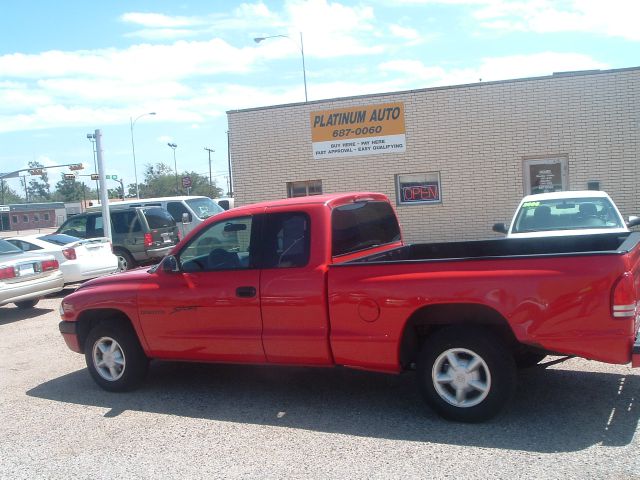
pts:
[25, 277]
[79, 259]
[566, 213]
[140, 235]
[326, 280]
[187, 211]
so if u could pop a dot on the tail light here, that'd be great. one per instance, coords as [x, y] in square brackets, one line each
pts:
[148, 240]
[623, 303]
[69, 253]
[48, 265]
[7, 272]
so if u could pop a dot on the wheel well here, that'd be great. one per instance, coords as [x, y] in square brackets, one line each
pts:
[91, 318]
[427, 320]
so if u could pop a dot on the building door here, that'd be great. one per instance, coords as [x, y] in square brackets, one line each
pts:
[4, 222]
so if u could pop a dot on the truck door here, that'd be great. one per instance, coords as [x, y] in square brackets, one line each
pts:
[293, 291]
[210, 309]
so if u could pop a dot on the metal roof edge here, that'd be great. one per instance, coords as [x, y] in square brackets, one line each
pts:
[576, 73]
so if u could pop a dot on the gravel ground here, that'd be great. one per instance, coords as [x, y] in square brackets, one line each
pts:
[578, 419]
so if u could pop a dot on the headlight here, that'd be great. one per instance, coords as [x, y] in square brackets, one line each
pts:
[64, 309]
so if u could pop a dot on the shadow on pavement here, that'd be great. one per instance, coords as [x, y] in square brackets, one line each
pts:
[554, 410]
[10, 313]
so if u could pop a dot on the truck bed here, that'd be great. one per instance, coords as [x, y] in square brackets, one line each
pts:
[601, 244]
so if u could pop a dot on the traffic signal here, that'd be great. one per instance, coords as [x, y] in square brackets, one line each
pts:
[69, 176]
[36, 171]
[77, 166]
[95, 176]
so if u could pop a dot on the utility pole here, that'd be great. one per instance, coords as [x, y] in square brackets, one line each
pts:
[210, 178]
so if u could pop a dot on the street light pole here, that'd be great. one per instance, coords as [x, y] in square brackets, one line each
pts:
[301, 47]
[175, 165]
[92, 139]
[210, 180]
[132, 122]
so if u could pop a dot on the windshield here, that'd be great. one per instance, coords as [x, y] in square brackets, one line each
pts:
[204, 207]
[567, 214]
[6, 247]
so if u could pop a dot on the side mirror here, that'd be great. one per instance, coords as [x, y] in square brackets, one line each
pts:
[186, 218]
[633, 221]
[169, 264]
[500, 228]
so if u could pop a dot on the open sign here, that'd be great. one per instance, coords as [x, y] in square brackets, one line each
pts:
[418, 188]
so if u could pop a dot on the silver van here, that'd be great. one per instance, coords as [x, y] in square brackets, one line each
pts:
[187, 211]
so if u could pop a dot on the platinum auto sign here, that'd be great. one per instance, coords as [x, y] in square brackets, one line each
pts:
[352, 131]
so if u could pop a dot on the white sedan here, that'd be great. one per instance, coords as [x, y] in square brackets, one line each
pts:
[79, 259]
[26, 277]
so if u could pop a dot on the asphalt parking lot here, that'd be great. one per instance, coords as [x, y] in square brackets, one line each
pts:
[577, 419]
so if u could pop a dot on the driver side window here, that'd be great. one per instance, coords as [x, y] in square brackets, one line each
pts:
[223, 246]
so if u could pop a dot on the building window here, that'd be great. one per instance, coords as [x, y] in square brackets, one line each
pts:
[545, 175]
[418, 188]
[25, 219]
[14, 218]
[36, 217]
[46, 217]
[302, 189]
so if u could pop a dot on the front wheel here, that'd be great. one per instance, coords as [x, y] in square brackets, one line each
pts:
[26, 304]
[114, 357]
[466, 374]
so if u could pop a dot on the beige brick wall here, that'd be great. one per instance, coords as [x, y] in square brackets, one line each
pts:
[476, 136]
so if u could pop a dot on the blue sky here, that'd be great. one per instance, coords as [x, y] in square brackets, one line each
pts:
[68, 68]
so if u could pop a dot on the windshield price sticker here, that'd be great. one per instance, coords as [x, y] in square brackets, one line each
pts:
[530, 204]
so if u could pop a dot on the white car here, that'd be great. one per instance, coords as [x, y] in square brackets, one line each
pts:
[26, 277]
[566, 213]
[80, 259]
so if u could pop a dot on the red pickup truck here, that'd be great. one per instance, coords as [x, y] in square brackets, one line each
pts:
[326, 280]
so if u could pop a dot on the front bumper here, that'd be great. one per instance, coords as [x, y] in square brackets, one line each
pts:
[635, 352]
[69, 331]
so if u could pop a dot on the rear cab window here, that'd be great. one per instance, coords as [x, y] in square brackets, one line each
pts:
[361, 225]
[158, 217]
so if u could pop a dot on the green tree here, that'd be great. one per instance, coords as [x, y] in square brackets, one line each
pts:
[8, 195]
[160, 181]
[39, 189]
[69, 190]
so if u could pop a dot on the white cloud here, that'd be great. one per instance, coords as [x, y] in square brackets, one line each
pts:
[616, 18]
[411, 36]
[490, 69]
[158, 20]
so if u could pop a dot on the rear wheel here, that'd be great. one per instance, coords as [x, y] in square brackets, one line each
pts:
[125, 260]
[26, 304]
[466, 374]
[114, 357]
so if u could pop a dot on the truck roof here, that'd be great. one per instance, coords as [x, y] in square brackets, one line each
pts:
[331, 200]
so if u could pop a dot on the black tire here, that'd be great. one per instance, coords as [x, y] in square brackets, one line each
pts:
[528, 359]
[126, 366]
[125, 260]
[26, 304]
[466, 395]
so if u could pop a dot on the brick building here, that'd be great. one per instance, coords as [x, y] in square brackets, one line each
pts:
[29, 216]
[454, 160]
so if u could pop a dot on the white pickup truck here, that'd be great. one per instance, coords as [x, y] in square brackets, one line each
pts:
[557, 214]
